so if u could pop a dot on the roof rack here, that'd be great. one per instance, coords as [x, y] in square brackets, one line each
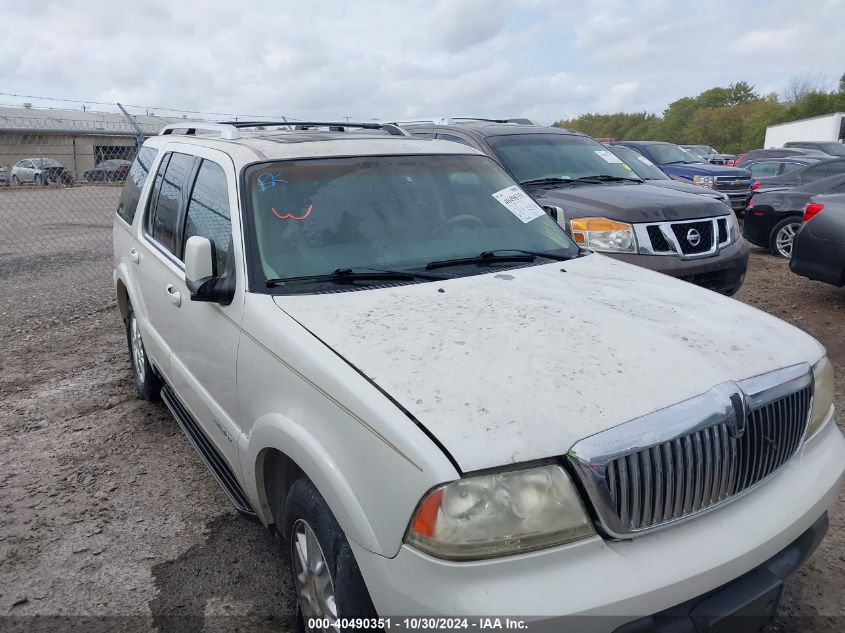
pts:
[229, 130]
[334, 126]
[446, 120]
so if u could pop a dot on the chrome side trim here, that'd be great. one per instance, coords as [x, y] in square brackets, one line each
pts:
[697, 432]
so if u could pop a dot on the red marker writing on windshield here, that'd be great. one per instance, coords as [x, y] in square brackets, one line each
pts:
[291, 216]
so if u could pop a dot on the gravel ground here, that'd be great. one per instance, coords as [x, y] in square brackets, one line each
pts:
[108, 515]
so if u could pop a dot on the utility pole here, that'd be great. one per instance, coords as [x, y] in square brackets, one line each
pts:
[139, 134]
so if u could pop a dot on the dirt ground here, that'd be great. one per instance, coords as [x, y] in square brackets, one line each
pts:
[110, 520]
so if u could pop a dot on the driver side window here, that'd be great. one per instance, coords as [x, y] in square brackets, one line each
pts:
[208, 213]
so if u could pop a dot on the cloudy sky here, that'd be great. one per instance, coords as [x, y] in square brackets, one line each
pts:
[395, 59]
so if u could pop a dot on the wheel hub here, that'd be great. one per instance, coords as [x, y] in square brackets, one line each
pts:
[314, 584]
[138, 355]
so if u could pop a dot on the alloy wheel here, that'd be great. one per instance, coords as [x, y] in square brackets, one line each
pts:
[784, 238]
[314, 585]
[139, 357]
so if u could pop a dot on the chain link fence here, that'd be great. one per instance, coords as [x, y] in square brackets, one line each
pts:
[60, 181]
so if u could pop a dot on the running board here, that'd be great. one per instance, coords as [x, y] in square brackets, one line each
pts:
[212, 458]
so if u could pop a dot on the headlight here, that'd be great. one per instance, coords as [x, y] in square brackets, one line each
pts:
[733, 228]
[822, 394]
[499, 514]
[704, 181]
[603, 234]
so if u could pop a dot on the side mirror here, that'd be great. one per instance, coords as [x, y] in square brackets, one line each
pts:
[199, 273]
[198, 261]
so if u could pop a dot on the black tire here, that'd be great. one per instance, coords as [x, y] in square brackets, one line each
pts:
[304, 504]
[776, 244]
[16, 181]
[147, 383]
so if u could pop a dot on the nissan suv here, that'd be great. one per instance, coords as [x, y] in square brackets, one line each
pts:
[604, 205]
[383, 348]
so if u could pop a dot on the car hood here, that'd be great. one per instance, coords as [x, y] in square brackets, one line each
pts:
[686, 187]
[705, 169]
[627, 202]
[520, 364]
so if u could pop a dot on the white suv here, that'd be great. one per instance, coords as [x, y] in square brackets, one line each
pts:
[383, 347]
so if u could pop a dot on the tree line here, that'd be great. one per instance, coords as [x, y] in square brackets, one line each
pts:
[732, 119]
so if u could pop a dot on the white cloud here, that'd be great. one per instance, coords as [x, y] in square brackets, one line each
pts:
[387, 59]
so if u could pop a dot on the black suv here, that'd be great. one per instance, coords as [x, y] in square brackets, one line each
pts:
[604, 205]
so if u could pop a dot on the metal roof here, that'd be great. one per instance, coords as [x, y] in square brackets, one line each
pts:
[14, 119]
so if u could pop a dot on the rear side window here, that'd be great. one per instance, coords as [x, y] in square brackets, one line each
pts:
[165, 218]
[135, 183]
[764, 170]
[208, 212]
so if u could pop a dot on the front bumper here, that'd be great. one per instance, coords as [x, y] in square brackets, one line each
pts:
[739, 199]
[747, 604]
[723, 272]
[602, 585]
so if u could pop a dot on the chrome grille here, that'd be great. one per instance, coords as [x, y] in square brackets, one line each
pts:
[695, 455]
[699, 470]
[733, 183]
[688, 239]
[703, 241]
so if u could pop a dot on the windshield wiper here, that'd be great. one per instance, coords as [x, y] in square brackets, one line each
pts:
[544, 181]
[489, 257]
[606, 178]
[350, 275]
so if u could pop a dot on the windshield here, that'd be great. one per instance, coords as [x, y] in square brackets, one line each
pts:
[315, 216]
[834, 149]
[700, 150]
[537, 156]
[666, 154]
[46, 162]
[642, 166]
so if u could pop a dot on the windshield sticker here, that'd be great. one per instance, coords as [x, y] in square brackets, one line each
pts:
[518, 203]
[644, 160]
[291, 216]
[609, 157]
[268, 180]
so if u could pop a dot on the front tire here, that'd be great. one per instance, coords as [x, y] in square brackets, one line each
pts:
[16, 181]
[323, 569]
[147, 383]
[782, 236]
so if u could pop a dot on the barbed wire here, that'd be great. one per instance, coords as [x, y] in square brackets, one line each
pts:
[143, 107]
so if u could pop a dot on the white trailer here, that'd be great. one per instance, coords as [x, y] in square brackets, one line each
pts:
[829, 127]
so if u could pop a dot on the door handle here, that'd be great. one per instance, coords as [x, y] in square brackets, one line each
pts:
[134, 255]
[174, 295]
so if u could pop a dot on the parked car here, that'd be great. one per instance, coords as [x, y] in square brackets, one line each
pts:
[770, 167]
[656, 177]
[831, 148]
[112, 170]
[774, 217]
[682, 165]
[819, 249]
[604, 205]
[40, 172]
[780, 152]
[4, 178]
[386, 350]
[803, 175]
[710, 154]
